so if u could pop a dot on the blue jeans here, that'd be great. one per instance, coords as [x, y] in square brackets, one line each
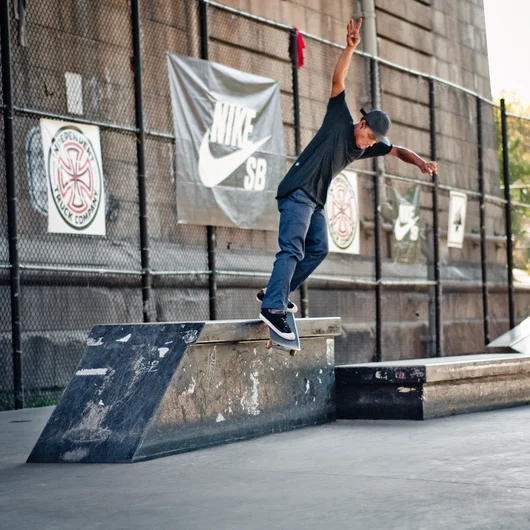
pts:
[303, 240]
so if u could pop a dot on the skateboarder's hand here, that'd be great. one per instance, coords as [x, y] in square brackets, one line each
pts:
[354, 33]
[429, 168]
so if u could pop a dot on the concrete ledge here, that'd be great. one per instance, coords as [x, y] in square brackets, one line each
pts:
[421, 389]
[251, 330]
[143, 391]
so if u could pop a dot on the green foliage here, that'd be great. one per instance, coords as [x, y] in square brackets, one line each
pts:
[518, 130]
[41, 401]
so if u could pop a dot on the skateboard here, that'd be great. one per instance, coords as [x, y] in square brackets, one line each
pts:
[276, 342]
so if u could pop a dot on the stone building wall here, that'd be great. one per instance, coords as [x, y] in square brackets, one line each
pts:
[445, 38]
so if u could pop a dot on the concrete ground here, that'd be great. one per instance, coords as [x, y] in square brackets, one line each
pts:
[470, 471]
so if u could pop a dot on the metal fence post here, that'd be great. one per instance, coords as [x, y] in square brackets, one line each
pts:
[211, 231]
[140, 157]
[377, 230]
[293, 47]
[435, 226]
[14, 262]
[483, 255]
[508, 213]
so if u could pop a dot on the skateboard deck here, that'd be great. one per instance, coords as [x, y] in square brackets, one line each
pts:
[278, 343]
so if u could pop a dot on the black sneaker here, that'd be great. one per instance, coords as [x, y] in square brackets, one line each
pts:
[278, 323]
[291, 306]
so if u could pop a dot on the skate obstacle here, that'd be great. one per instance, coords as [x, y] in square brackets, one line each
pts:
[421, 389]
[144, 391]
[517, 340]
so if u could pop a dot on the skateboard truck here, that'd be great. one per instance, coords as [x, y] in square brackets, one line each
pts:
[276, 346]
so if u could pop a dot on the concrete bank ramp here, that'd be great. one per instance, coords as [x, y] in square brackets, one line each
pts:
[144, 391]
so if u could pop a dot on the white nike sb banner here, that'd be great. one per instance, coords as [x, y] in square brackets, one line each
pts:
[342, 213]
[406, 214]
[230, 152]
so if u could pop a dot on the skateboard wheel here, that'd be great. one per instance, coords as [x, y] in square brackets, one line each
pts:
[293, 353]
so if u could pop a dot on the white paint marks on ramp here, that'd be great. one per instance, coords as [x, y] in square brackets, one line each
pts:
[124, 339]
[330, 352]
[162, 352]
[191, 388]
[250, 403]
[91, 342]
[92, 371]
[190, 336]
[220, 418]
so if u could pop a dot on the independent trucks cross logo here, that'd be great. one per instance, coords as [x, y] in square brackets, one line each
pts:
[76, 178]
[341, 211]
[232, 126]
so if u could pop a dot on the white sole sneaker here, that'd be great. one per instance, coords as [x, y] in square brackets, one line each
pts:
[286, 336]
[293, 309]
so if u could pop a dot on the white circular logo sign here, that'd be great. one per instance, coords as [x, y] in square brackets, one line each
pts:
[341, 209]
[76, 177]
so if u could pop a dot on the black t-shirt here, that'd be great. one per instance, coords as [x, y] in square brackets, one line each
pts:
[329, 152]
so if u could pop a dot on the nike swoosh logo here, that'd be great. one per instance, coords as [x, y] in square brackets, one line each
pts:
[401, 230]
[213, 171]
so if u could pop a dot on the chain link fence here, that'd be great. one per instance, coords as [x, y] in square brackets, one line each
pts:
[79, 67]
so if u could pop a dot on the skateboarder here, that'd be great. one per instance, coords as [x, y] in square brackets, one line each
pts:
[303, 236]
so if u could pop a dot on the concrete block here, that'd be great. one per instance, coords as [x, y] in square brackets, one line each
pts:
[291, 14]
[439, 22]
[480, 41]
[481, 65]
[466, 34]
[478, 17]
[314, 5]
[441, 69]
[339, 10]
[415, 12]
[405, 33]
[431, 388]
[242, 5]
[415, 139]
[146, 391]
[162, 38]
[464, 11]
[269, 9]
[404, 56]
[176, 14]
[113, 25]
[406, 112]
[451, 26]
[337, 31]
[253, 63]
[445, 49]
[455, 74]
[313, 22]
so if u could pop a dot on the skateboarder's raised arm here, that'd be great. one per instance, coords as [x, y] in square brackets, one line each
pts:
[353, 38]
[410, 157]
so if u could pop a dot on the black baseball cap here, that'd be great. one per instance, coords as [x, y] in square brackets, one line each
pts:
[379, 122]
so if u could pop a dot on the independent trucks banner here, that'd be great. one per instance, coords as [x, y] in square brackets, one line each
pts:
[230, 152]
[74, 175]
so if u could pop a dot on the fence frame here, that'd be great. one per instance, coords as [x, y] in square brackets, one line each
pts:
[147, 274]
